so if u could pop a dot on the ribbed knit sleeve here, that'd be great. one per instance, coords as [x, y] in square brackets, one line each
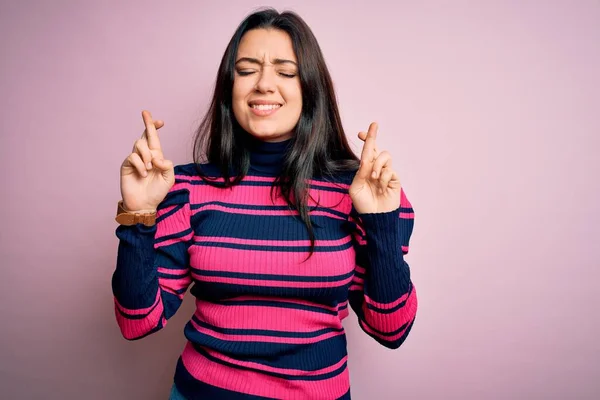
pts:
[382, 294]
[152, 272]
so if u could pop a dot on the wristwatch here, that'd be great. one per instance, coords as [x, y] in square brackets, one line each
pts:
[125, 217]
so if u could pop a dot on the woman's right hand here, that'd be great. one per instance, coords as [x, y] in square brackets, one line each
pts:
[146, 177]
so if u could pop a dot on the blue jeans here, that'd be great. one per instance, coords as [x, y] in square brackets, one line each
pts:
[175, 394]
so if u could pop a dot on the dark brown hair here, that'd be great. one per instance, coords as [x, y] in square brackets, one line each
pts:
[319, 145]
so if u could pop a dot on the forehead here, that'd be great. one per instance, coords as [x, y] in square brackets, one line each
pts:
[266, 43]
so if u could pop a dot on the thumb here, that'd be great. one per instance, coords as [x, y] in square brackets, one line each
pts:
[165, 166]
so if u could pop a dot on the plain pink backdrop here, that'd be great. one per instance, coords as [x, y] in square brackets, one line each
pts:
[490, 109]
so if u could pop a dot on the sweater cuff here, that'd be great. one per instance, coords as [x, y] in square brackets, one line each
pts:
[138, 235]
[381, 223]
[383, 239]
[387, 277]
[135, 279]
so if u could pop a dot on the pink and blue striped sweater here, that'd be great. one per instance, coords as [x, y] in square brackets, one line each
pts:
[267, 324]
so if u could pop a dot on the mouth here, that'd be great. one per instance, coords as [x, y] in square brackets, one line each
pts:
[264, 104]
[262, 108]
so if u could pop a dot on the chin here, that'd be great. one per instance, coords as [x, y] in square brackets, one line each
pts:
[266, 132]
[275, 136]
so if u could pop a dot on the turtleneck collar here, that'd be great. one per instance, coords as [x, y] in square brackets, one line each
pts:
[267, 157]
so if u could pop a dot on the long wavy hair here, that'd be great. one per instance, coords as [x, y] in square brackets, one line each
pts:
[318, 146]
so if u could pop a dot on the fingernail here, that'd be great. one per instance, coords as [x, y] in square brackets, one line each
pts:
[374, 174]
[149, 165]
[145, 174]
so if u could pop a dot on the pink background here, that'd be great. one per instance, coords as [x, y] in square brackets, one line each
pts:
[491, 110]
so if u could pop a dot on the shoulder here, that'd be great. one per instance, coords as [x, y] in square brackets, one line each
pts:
[183, 171]
[187, 180]
[343, 178]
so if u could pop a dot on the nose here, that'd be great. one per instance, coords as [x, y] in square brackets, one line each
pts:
[266, 80]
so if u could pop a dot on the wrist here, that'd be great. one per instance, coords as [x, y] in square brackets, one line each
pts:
[133, 210]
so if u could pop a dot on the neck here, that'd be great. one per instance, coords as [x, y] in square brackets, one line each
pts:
[266, 158]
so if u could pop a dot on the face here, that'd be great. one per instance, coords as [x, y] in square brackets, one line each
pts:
[267, 99]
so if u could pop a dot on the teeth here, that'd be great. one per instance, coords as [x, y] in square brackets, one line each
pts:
[265, 106]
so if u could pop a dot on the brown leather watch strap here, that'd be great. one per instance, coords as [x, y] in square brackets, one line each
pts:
[125, 217]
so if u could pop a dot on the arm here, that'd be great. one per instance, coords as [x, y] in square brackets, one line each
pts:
[152, 272]
[382, 294]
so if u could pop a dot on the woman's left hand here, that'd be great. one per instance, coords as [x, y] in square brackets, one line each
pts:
[376, 186]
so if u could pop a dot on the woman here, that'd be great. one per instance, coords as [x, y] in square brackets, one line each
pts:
[278, 230]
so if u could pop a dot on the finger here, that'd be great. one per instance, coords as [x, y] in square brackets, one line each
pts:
[369, 151]
[162, 164]
[166, 168]
[157, 124]
[364, 170]
[384, 159]
[134, 160]
[385, 178]
[141, 147]
[151, 133]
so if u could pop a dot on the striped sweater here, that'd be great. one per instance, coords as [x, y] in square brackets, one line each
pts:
[267, 323]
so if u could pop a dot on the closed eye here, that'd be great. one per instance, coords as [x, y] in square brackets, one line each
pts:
[250, 72]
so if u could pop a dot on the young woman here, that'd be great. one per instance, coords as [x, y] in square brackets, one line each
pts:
[279, 228]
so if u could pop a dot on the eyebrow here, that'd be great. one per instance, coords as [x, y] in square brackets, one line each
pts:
[257, 61]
